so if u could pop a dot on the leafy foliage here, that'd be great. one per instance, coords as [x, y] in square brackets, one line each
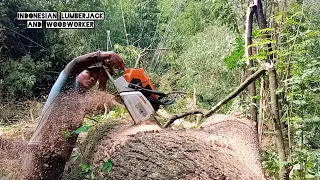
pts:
[235, 59]
[88, 170]
[298, 67]
[202, 67]
[106, 166]
[223, 11]
[270, 163]
[18, 77]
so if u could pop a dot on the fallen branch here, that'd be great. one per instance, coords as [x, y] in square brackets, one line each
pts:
[237, 91]
[178, 116]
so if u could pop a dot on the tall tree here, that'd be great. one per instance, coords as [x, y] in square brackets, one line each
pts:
[250, 63]
[273, 85]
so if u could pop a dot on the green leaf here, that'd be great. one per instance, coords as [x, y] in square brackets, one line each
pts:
[91, 175]
[265, 29]
[85, 167]
[106, 167]
[309, 176]
[83, 128]
[256, 97]
[66, 134]
[262, 42]
[253, 57]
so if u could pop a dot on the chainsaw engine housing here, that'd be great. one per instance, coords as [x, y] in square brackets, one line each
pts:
[138, 106]
[139, 78]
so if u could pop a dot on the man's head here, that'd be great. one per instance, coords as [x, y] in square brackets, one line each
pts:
[88, 77]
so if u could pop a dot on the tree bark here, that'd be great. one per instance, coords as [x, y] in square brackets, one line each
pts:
[261, 112]
[250, 64]
[276, 118]
[221, 148]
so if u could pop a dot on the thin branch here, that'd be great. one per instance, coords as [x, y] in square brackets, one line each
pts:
[31, 115]
[184, 114]
[161, 49]
[238, 90]
[261, 119]
[92, 119]
[194, 99]
[177, 92]
[124, 24]
[140, 55]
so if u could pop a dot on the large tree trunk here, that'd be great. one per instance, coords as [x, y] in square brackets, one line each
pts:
[223, 147]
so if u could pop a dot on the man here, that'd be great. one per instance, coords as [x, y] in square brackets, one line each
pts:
[64, 111]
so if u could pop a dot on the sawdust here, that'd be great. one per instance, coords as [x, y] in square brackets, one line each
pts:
[12, 155]
[66, 114]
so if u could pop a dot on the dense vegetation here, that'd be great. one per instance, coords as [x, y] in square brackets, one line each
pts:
[189, 44]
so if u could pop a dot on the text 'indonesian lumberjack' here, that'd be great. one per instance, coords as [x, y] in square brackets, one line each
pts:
[66, 20]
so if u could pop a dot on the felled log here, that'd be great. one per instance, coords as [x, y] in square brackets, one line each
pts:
[223, 147]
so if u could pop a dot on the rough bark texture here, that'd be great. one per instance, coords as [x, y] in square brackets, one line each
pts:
[276, 118]
[223, 147]
[250, 64]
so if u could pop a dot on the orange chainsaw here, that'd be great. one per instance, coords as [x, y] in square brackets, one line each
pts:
[139, 95]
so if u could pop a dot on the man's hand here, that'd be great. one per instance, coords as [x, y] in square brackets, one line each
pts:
[112, 60]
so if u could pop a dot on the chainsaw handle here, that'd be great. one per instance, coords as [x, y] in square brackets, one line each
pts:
[139, 88]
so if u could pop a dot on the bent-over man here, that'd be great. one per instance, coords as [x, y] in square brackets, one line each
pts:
[64, 110]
